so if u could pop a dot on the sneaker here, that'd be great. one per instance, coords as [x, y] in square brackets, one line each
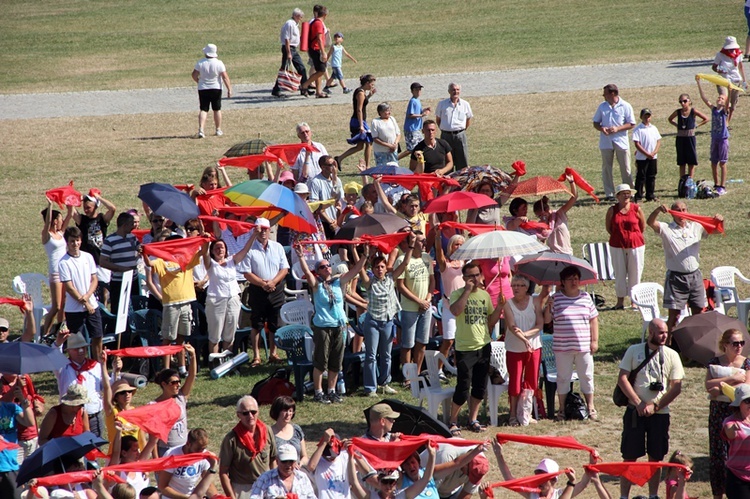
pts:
[443, 378]
[219, 133]
[201, 134]
[721, 191]
[182, 371]
[327, 90]
[335, 398]
[347, 90]
[320, 397]
[387, 390]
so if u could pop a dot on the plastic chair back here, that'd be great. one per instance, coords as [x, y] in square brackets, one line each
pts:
[598, 255]
[291, 339]
[297, 312]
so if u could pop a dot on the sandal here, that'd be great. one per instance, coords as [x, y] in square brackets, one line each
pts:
[560, 416]
[475, 426]
[274, 359]
[455, 430]
[593, 415]
[256, 362]
[322, 96]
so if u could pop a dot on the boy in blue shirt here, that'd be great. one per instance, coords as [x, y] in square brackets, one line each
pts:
[413, 122]
[335, 55]
[719, 137]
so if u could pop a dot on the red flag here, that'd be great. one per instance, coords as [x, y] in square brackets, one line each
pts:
[155, 419]
[251, 162]
[145, 352]
[331, 242]
[288, 152]
[532, 225]
[16, 302]
[519, 167]
[74, 477]
[547, 441]
[437, 439]
[95, 454]
[425, 181]
[65, 196]
[639, 473]
[238, 228]
[5, 445]
[386, 242]
[249, 210]
[525, 484]
[180, 251]
[185, 187]
[580, 182]
[473, 229]
[139, 233]
[386, 455]
[709, 223]
[211, 200]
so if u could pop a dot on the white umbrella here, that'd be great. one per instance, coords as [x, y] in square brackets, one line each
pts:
[497, 244]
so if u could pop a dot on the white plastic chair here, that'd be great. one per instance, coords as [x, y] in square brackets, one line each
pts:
[33, 284]
[297, 312]
[645, 296]
[497, 359]
[723, 278]
[432, 359]
[296, 294]
[435, 395]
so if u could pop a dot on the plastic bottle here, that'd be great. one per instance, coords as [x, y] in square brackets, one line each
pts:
[735, 180]
[341, 384]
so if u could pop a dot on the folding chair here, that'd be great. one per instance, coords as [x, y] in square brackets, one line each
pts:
[599, 256]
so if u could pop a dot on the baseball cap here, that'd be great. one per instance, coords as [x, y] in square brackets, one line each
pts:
[262, 223]
[645, 111]
[287, 453]
[4, 323]
[478, 467]
[741, 393]
[547, 465]
[380, 411]
[416, 85]
[338, 34]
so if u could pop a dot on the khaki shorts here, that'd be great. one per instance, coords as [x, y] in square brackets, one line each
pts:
[176, 319]
[329, 348]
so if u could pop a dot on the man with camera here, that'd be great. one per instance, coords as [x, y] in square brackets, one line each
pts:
[657, 383]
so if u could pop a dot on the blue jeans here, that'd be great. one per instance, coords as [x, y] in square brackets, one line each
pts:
[381, 158]
[378, 344]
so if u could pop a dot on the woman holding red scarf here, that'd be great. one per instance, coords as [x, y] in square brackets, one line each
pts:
[558, 238]
[247, 451]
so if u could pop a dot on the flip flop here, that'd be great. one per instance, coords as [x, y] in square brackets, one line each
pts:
[274, 359]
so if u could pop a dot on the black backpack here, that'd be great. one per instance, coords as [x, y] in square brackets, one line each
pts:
[575, 407]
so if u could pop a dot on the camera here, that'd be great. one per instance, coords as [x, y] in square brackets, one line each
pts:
[656, 386]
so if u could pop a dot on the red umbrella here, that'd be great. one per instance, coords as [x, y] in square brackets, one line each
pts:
[537, 186]
[458, 200]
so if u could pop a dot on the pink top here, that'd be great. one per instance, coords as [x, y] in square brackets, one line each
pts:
[738, 458]
[671, 484]
[451, 277]
[490, 269]
[626, 229]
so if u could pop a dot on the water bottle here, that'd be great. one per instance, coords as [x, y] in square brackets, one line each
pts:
[340, 384]
[736, 180]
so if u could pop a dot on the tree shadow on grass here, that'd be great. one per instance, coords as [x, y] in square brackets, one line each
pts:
[165, 137]
[689, 64]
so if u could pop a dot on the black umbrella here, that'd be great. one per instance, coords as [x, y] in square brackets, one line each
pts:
[253, 146]
[20, 357]
[413, 420]
[167, 201]
[48, 457]
[376, 224]
[698, 335]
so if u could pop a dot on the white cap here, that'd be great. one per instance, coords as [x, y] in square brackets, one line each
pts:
[262, 223]
[301, 188]
[209, 50]
[548, 466]
[286, 453]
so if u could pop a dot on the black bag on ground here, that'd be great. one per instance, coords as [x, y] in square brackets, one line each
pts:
[266, 390]
[575, 407]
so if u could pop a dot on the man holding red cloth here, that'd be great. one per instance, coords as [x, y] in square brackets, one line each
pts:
[246, 452]
[681, 240]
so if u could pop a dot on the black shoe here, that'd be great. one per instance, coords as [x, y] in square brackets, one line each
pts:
[320, 397]
[335, 398]
[338, 163]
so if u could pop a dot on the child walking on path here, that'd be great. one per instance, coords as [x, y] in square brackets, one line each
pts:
[647, 140]
[719, 138]
[335, 55]
[685, 143]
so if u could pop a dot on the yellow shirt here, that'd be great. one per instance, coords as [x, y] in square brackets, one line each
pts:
[472, 324]
[176, 286]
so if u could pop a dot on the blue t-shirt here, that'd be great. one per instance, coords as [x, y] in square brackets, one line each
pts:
[413, 124]
[9, 431]
[430, 491]
[329, 308]
[338, 50]
[719, 128]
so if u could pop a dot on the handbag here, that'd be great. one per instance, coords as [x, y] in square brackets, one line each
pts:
[618, 396]
[288, 79]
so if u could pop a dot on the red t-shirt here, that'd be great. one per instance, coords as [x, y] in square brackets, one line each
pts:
[316, 28]
[626, 229]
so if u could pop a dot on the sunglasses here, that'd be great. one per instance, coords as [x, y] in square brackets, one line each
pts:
[4, 329]
[324, 266]
[388, 481]
[174, 382]
[288, 463]
[157, 220]
[247, 413]
[192, 229]
[684, 101]
[738, 343]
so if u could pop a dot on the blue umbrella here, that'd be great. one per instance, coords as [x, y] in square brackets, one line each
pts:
[48, 457]
[167, 201]
[20, 357]
[390, 168]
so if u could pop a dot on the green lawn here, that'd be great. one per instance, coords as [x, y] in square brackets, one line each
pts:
[56, 45]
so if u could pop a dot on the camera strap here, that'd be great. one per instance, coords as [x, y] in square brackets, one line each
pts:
[649, 356]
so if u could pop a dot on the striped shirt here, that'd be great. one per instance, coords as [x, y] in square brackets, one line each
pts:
[571, 317]
[381, 298]
[122, 251]
[738, 459]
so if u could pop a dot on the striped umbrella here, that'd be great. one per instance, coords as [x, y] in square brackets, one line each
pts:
[265, 193]
[497, 244]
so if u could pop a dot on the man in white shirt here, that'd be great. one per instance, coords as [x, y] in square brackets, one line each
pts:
[179, 483]
[326, 185]
[453, 116]
[306, 166]
[613, 118]
[289, 39]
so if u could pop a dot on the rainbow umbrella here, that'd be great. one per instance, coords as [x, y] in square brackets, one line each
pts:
[265, 193]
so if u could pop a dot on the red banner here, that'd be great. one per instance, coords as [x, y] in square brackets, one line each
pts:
[155, 419]
[524, 484]
[711, 224]
[547, 441]
[180, 251]
[64, 196]
[638, 473]
[425, 181]
[145, 352]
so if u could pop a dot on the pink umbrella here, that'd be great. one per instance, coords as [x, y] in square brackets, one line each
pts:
[458, 200]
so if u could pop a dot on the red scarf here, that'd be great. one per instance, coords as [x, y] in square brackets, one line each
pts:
[144, 352]
[734, 54]
[425, 181]
[5, 445]
[519, 167]
[249, 210]
[386, 242]
[535, 226]
[185, 187]
[579, 181]
[16, 302]
[472, 229]
[288, 152]
[180, 251]
[638, 473]
[238, 228]
[64, 196]
[211, 200]
[437, 439]
[709, 223]
[547, 441]
[249, 441]
[524, 484]
[87, 365]
[251, 162]
[140, 233]
[387, 455]
[155, 419]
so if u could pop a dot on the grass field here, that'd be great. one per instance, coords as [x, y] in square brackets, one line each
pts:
[107, 45]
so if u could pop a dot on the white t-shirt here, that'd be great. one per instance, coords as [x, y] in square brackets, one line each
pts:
[78, 270]
[210, 69]
[727, 68]
[647, 136]
[385, 130]
[185, 478]
[331, 479]
[313, 168]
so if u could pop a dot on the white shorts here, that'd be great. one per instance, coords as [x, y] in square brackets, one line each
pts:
[449, 322]
[176, 319]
